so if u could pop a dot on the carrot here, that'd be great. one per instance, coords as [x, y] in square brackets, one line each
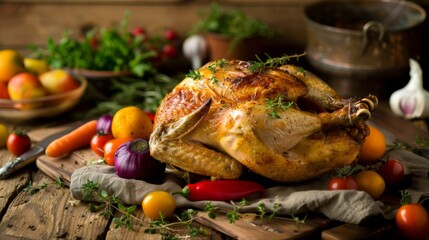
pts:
[78, 138]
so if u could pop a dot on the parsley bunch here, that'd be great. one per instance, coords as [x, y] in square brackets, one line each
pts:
[110, 49]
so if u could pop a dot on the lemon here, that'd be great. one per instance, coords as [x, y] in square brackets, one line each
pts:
[36, 66]
[11, 63]
[131, 122]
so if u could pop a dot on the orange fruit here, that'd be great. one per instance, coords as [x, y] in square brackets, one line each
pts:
[11, 63]
[373, 148]
[370, 182]
[131, 122]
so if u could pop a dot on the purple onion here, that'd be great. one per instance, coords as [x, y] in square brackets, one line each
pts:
[104, 123]
[133, 161]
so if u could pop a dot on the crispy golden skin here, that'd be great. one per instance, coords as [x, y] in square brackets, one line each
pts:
[221, 122]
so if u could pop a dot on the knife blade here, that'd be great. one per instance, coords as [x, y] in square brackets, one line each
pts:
[31, 155]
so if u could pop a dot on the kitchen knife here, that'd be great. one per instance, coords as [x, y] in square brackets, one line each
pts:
[31, 155]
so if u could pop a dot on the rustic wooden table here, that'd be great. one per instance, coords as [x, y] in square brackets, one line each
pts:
[51, 213]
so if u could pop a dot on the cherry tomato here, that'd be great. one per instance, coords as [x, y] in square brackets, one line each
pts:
[370, 182]
[169, 50]
[137, 31]
[392, 171]
[18, 142]
[110, 149]
[170, 34]
[98, 141]
[412, 220]
[157, 203]
[343, 183]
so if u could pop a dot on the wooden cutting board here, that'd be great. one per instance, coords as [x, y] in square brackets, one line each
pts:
[61, 167]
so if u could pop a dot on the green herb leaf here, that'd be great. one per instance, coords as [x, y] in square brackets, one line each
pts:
[273, 106]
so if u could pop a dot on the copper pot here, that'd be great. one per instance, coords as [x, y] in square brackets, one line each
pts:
[362, 40]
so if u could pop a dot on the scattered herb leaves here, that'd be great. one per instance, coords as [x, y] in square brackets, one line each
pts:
[420, 143]
[273, 106]
[196, 75]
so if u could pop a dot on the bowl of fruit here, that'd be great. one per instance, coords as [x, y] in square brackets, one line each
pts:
[27, 93]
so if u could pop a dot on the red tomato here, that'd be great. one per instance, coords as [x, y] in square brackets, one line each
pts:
[169, 50]
[412, 220]
[392, 171]
[343, 183]
[110, 148]
[18, 143]
[137, 31]
[170, 34]
[98, 142]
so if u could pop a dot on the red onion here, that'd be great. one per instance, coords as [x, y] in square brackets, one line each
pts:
[104, 123]
[133, 161]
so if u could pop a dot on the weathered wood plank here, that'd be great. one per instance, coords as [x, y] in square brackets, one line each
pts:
[11, 186]
[50, 214]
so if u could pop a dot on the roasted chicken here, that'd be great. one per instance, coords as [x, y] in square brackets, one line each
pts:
[282, 123]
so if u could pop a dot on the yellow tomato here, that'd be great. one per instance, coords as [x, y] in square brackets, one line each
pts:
[131, 122]
[4, 134]
[11, 63]
[373, 148]
[158, 203]
[370, 182]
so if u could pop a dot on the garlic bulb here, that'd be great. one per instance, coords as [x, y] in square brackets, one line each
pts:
[195, 49]
[412, 101]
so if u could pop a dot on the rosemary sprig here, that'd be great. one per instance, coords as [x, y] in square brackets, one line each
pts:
[273, 106]
[260, 65]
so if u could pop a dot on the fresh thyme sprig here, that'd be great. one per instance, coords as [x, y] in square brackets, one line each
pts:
[31, 189]
[211, 210]
[167, 230]
[260, 65]
[420, 143]
[108, 205]
[262, 211]
[234, 214]
[273, 106]
[196, 75]
[213, 68]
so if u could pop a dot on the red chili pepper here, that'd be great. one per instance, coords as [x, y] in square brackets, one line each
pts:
[221, 190]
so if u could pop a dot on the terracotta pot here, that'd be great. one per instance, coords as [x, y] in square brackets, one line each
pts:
[219, 47]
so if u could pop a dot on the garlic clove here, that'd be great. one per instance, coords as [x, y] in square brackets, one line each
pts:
[407, 105]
